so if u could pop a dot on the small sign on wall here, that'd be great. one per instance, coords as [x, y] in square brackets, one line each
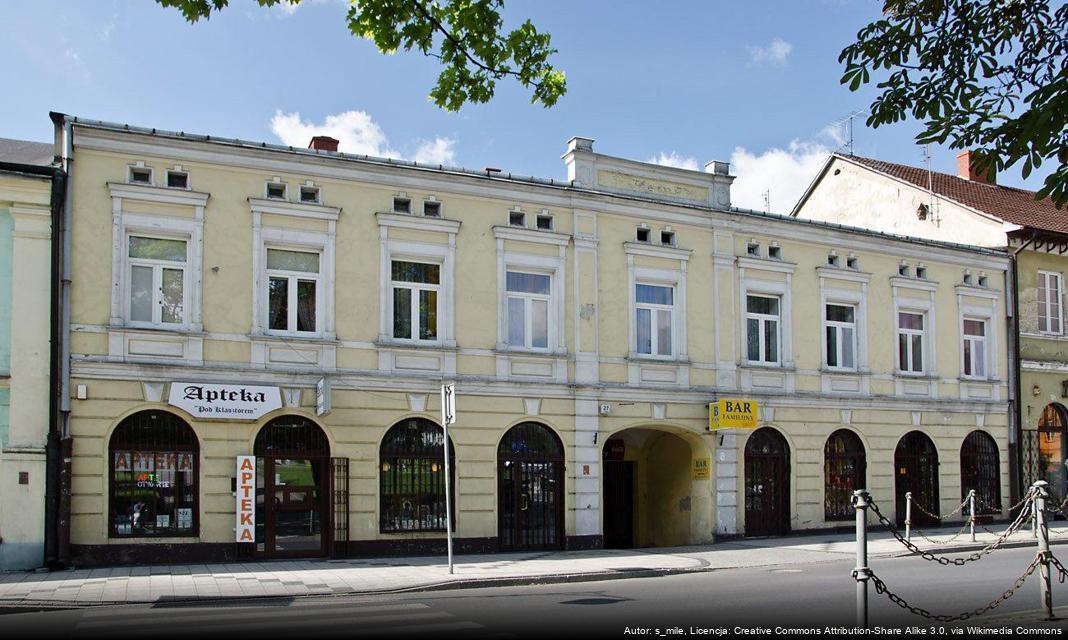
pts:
[245, 531]
[702, 468]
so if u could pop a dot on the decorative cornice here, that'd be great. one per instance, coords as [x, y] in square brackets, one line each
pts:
[502, 232]
[419, 223]
[162, 195]
[295, 209]
[656, 251]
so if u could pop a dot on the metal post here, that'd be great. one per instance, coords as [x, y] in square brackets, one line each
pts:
[1043, 548]
[1034, 517]
[448, 416]
[908, 516]
[862, 573]
[971, 505]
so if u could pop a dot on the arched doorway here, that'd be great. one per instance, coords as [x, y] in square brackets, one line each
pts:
[650, 497]
[916, 471]
[292, 488]
[767, 483]
[1051, 451]
[530, 488]
[153, 480]
[844, 466]
[980, 469]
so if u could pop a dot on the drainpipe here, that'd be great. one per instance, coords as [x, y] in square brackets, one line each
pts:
[1015, 384]
[65, 140]
[52, 448]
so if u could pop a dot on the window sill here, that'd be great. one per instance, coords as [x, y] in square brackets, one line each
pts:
[653, 359]
[905, 375]
[843, 372]
[518, 351]
[295, 337]
[184, 330]
[414, 344]
[773, 366]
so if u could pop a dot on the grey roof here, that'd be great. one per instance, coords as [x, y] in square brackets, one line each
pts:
[26, 152]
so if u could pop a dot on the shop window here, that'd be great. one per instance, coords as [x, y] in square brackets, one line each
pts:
[529, 302]
[155, 294]
[292, 291]
[153, 458]
[843, 467]
[412, 477]
[416, 289]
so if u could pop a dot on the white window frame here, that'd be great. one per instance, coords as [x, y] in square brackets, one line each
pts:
[762, 319]
[925, 350]
[126, 223]
[528, 299]
[415, 288]
[838, 326]
[762, 285]
[983, 342]
[267, 190]
[291, 290]
[675, 278]
[157, 267]
[551, 265]
[177, 170]
[288, 238]
[141, 166]
[911, 295]
[1047, 276]
[654, 323]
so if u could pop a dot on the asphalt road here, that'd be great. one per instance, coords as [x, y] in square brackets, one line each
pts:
[815, 595]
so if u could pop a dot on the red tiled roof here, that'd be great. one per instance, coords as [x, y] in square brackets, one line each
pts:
[1017, 206]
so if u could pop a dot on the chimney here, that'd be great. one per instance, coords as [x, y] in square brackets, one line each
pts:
[966, 169]
[323, 143]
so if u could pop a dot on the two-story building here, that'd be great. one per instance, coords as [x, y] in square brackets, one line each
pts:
[258, 335]
[971, 207]
[26, 186]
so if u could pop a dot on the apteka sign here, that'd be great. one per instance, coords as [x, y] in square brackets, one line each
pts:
[245, 531]
[224, 401]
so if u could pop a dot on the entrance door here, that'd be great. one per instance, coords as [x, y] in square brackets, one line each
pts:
[295, 495]
[767, 484]
[916, 471]
[293, 470]
[618, 504]
[1051, 452]
[530, 488]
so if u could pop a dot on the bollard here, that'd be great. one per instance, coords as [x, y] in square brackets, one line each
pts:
[971, 505]
[908, 516]
[862, 573]
[1043, 548]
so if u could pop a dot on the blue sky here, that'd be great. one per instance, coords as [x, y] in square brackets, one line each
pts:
[754, 83]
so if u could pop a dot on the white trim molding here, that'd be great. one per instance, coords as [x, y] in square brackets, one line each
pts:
[643, 368]
[755, 376]
[921, 301]
[850, 288]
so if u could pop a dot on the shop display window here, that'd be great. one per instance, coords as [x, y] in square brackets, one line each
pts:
[412, 473]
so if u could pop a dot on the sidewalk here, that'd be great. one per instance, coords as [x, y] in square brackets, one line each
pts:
[291, 578]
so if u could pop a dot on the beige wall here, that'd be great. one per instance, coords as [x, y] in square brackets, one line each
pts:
[498, 388]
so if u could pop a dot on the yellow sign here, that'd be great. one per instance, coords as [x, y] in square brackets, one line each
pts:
[733, 413]
[702, 469]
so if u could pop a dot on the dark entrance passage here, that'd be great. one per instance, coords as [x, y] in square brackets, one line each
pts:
[530, 477]
[916, 471]
[618, 504]
[767, 484]
[292, 486]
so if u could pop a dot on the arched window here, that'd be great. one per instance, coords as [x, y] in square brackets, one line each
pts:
[843, 467]
[153, 458]
[412, 477]
[980, 469]
[293, 437]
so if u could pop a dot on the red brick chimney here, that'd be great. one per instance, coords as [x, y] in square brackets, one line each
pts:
[967, 170]
[323, 143]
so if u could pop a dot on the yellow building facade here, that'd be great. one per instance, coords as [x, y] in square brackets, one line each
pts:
[303, 308]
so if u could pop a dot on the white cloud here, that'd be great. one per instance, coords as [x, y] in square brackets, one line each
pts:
[358, 133]
[673, 159]
[774, 53]
[783, 172]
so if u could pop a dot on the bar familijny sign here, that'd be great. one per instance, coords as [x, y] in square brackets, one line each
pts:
[448, 416]
[245, 531]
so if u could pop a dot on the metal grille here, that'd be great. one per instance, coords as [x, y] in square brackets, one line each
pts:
[412, 477]
[980, 469]
[916, 471]
[530, 475]
[767, 483]
[153, 462]
[844, 470]
[291, 437]
[339, 491]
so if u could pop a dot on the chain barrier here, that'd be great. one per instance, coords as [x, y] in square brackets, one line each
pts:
[963, 528]
[881, 588]
[960, 507]
[960, 562]
[1062, 573]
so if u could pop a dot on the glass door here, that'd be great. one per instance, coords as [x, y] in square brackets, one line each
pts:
[292, 507]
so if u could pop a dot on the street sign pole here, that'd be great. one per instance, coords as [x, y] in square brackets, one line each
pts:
[448, 416]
